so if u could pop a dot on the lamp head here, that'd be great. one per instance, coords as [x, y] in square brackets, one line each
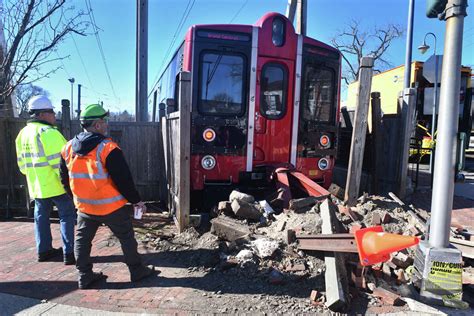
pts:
[423, 48]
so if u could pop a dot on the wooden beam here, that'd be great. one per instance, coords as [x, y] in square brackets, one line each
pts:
[408, 122]
[184, 150]
[377, 166]
[301, 8]
[337, 298]
[356, 156]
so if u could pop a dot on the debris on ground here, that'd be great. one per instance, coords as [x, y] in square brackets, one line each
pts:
[250, 240]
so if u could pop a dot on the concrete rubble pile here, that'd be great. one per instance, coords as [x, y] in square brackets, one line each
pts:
[255, 238]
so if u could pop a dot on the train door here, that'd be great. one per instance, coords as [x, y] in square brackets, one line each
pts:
[273, 111]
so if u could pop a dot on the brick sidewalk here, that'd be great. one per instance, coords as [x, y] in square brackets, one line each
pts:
[20, 274]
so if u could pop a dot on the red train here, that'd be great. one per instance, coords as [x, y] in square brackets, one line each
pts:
[262, 96]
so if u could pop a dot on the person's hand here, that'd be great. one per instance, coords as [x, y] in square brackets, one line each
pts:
[141, 205]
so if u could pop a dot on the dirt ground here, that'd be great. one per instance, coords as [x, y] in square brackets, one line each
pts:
[256, 285]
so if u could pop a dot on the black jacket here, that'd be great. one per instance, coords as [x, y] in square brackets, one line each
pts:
[115, 163]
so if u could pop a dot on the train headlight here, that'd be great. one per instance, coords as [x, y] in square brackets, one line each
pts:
[209, 135]
[278, 32]
[325, 141]
[323, 164]
[208, 162]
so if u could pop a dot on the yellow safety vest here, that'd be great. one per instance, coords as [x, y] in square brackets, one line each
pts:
[38, 150]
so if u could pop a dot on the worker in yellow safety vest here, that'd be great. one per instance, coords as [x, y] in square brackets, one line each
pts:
[38, 149]
[94, 170]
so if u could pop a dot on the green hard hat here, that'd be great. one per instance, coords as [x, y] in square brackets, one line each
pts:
[93, 112]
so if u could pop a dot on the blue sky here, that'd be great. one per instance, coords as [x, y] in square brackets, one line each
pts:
[116, 19]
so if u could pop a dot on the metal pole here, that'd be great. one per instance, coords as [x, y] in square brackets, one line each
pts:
[411, 11]
[79, 100]
[141, 112]
[435, 101]
[71, 80]
[443, 186]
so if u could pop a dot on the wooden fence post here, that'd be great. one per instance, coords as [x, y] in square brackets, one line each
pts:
[377, 166]
[408, 110]
[66, 119]
[356, 156]
[184, 150]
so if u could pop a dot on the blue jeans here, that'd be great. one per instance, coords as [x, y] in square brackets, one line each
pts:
[67, 218]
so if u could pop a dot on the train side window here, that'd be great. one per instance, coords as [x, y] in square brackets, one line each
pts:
[273, 87]
[221, 84]
[318, 94]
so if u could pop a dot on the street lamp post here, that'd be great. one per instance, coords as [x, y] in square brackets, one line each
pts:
[71, 80]
[423, 48]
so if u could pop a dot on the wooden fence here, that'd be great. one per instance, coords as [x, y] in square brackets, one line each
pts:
[141, 143]
[176, 133]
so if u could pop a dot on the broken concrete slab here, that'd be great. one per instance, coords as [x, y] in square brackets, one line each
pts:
[245, 210]
[236, 195]
[265, 247]
[229, 229]
[304, 204]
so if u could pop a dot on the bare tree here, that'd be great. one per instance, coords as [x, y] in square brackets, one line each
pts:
[354, 43]
[32, 31]
[24, 92]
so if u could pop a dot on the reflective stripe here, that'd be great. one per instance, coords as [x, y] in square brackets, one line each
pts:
[55, 166]
[101, 201]
[73, 175]
[51, 157]
[37, 164]
[40, 146]
[30, 155]
[101, 174]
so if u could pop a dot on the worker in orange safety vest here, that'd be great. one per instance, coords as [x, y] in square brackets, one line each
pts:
[95, 173]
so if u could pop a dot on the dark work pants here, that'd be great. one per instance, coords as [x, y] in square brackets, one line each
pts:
[120, 223]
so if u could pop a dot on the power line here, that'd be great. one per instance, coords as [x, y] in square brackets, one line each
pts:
[82, 61]
[179, 27]
[99, 44]
[238, 12]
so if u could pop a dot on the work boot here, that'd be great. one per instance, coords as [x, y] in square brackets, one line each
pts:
[143, 272]
[86, 281]
[51, 253]
[69, 259]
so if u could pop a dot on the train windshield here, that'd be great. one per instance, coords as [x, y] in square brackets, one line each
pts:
[318, 94]
[221, 84]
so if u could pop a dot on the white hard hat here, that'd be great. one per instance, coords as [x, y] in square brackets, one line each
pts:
[40, 102]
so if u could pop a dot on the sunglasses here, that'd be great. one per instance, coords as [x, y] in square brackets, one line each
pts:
[48, 111]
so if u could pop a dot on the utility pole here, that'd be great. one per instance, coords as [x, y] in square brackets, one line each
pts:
[79, 100]
[442, 267]
[301, 8]
[298, 7]
[141, 105]
[409, 43]
[406, 118]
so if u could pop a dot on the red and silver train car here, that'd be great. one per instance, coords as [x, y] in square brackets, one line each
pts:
[262, 96]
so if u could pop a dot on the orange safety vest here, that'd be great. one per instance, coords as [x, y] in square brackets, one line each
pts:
[93, 190]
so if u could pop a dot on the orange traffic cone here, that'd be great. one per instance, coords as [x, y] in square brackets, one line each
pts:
[374, 245]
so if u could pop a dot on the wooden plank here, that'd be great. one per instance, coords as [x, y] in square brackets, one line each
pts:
[184, 149]
[466, 247]
[377, 166]
[356, 156]
[327, 242]
[408, 111]
[337, 298]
